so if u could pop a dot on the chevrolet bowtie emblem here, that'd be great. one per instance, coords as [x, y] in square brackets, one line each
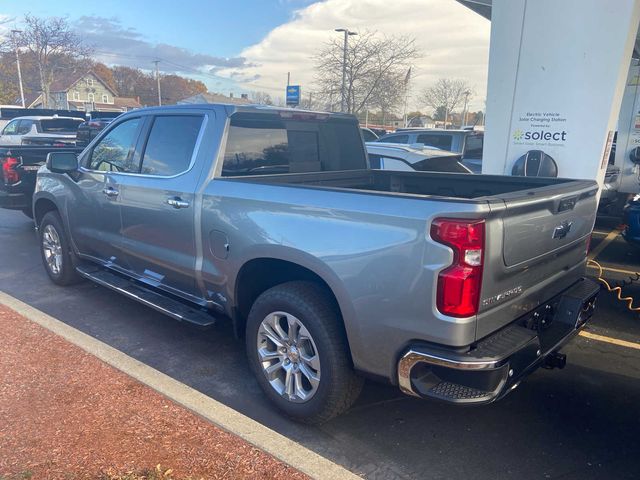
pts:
[562, 230]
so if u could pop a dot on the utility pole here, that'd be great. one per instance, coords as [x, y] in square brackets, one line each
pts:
[310, 100]
[288, 78]
[158, 80]
[464, 110]
[347, 33]
[15, 42]
[406, 95]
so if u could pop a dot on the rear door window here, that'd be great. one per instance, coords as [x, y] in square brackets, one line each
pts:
[24, 127]
[442, 142]
[114, 152]
[170, 145]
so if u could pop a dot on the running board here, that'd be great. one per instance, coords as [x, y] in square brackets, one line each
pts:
[163, 304]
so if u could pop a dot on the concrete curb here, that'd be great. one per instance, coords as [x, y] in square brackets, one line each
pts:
[277, 445]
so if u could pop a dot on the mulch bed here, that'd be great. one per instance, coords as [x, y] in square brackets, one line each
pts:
[66, 414]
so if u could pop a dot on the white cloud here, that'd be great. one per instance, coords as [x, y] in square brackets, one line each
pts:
[454, 42]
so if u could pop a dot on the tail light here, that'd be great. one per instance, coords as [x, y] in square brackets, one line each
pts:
[9, 171]
[459, 285]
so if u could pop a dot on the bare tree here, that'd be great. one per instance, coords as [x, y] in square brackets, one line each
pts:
[445, 96]
[261, 98]
[375, 70]
[52, 43]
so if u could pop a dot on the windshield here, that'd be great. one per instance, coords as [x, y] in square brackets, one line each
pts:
[60, 125]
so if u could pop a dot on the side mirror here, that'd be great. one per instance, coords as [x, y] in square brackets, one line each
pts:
[62, 162]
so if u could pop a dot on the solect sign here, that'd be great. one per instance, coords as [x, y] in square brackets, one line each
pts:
[537, 135]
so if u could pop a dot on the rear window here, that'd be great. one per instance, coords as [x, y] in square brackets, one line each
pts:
[263, 144]
[442, 142]
[450, 163]
[395, 139]
[60, 125]
[473, 146]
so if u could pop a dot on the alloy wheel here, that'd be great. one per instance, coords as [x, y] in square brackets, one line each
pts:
[288, 356]
[52, 249]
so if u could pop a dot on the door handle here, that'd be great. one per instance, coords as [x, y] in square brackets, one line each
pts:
[110, 192]
[177, 202]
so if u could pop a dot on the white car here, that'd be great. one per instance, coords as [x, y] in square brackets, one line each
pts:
[395, 156]
[40, 130]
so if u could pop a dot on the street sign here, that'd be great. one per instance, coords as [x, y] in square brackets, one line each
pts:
[293, 95]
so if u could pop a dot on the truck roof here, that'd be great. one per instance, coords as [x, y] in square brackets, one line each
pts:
[232, 108]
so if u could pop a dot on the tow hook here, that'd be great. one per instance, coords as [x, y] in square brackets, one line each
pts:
[555, 360]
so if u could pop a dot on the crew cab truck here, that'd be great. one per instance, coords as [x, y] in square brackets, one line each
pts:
[450, 286]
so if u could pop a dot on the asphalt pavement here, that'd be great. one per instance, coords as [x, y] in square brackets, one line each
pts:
[582, 422]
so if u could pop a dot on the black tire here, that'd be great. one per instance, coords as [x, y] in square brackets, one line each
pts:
[28, 212]
[339, 386]
[67, 274]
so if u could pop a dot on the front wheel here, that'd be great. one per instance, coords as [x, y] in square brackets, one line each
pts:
[298, 350]
[55, 251]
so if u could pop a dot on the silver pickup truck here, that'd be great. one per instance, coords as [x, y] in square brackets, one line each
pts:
[453, 287]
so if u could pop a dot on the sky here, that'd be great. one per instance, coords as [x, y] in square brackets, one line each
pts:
[249, 45]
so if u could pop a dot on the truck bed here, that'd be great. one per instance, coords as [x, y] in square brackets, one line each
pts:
[449, 186]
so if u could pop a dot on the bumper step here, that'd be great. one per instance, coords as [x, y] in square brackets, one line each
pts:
[454, 392]
[159, 302]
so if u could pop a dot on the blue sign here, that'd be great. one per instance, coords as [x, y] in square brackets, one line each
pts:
[293, 95]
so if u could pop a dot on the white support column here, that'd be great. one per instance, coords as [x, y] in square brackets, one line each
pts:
[557, 72]
[629, 133]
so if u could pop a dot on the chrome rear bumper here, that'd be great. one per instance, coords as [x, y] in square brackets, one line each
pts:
[498, 363]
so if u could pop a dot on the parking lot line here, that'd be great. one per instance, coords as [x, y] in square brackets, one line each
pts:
[279, 446]
[604, 243]
[613, 341]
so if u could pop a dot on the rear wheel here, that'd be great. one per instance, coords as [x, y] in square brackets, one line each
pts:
[55, 249]
[298, 351]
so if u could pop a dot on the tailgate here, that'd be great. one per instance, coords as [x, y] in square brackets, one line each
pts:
[535, 248]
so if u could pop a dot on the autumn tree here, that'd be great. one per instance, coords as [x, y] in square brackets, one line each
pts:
[375, 71]
[445, 96]
[105, 73]
[175, 88]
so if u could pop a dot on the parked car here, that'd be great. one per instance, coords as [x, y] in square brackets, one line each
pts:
[40, 130]
[19, 166]
[394, 156]
[452, 287]
[88, 130]
[468, 143]
[368, 134]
